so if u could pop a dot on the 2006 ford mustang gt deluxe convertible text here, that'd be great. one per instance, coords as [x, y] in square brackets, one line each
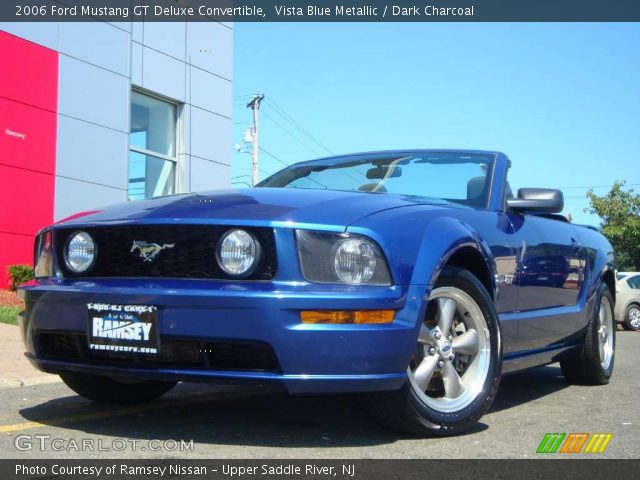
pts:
[414, 278]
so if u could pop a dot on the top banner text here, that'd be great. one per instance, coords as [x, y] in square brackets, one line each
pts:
[321, 10]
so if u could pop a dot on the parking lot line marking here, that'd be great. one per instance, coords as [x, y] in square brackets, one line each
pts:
[19, 426]
[58, 421]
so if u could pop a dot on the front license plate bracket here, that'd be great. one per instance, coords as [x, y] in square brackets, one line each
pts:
[123, 328]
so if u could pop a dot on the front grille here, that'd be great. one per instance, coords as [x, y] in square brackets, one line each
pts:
[192, 255]
[174, 353]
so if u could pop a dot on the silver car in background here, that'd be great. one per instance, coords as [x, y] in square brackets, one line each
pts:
[627, 310]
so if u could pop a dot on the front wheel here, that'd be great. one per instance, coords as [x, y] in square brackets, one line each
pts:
[109, 390]
[455, 370]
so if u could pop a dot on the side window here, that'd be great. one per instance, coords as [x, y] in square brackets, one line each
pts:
[634, 282]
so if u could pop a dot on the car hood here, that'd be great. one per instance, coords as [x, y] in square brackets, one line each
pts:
[255, 206]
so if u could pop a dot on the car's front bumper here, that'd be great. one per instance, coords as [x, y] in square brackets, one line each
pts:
[310, 358]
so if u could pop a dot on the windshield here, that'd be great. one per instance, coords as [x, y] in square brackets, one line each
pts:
[455, 177]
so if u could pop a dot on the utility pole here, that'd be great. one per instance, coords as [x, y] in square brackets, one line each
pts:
[255, 106]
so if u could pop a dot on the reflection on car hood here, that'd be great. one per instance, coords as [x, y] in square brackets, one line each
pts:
[257, 206]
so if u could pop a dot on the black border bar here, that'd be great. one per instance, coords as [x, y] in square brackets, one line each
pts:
[318, 469]
[321, 10]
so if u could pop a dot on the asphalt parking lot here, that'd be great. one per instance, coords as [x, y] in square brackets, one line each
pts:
[253, 423]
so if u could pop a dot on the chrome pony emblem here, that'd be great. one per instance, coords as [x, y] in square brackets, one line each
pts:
[149, 251]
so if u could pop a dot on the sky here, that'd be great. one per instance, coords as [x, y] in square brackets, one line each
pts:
[561, 100]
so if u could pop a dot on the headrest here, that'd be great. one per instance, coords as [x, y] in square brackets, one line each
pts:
[476, 190]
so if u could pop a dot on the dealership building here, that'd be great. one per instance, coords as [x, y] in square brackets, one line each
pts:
[98, 113]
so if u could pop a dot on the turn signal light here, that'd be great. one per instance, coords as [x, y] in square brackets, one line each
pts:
[347, 316]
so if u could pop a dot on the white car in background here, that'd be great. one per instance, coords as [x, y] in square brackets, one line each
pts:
[627, 310]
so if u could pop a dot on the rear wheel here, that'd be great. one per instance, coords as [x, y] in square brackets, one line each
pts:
[593, 363]
[632, 318]
[108, 390]
[455, 370]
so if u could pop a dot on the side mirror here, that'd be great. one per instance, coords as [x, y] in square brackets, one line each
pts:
[537, 200]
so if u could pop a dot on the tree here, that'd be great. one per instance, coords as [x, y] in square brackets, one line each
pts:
[620, 213]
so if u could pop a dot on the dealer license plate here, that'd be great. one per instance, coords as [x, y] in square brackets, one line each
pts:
[123, 328]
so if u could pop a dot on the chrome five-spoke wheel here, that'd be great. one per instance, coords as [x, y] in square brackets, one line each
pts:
[455, 367]
[452, 357]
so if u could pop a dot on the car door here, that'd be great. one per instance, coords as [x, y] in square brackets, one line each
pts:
[549, 277]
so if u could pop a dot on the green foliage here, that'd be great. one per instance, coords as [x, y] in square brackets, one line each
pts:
[620, 213]
[9, 315]
[19, 274]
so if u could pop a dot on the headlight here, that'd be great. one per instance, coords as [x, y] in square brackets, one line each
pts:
[80, 252]
[43, 260]
[341, 258]
[238, 253]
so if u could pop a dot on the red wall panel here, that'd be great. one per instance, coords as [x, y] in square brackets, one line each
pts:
[29, 72]
[27, 200]
[26, 139]
[28, 106]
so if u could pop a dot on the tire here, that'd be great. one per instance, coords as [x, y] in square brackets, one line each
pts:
[108, 390]
[437, 404]
[593, 363]
[631, 320]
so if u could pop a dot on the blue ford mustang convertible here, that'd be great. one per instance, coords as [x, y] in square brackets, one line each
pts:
[413, 278]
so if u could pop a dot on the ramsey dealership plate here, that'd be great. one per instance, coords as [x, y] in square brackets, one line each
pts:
[123, 328]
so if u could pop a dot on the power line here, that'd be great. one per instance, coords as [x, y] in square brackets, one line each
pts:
[308, 178]
[290, 134]
[308, 134]
[297, 125]
[274, 157]
[288, 118]
[259, 169]
[285, 163]
[241, 183]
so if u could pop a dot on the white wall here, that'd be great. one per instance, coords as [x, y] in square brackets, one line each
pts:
[99, 64]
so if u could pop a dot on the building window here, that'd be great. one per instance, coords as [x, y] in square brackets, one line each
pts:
[152, 154]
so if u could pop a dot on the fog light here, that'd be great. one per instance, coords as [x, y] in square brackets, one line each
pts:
[347, 316]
